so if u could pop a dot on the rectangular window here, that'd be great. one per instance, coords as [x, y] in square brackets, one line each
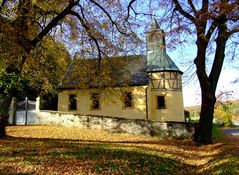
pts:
[95, 101]
[161, 102]
[72, 102]
[128, 100]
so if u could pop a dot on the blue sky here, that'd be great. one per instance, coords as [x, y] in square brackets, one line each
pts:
[191, 89]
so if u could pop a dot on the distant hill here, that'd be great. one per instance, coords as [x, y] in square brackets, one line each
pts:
[193, 108]
[235, 105]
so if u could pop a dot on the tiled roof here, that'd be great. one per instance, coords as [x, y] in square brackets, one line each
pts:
[117, 71]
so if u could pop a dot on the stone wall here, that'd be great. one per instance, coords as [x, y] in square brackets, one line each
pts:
[117, 125]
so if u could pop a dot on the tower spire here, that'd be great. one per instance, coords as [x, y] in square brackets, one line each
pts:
[154, 24]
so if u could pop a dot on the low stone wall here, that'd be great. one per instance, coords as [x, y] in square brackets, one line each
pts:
[117, 125]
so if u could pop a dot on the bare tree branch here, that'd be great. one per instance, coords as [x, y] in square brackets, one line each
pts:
[128, 10]
[219, 55]
[193, 7]
[88, 30]
[54, 22]
[222, 97]
[204, 6]
[110, 18]
[183, 12]
[234, 30]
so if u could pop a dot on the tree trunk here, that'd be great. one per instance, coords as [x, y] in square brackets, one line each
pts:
[203, 131]
[206, 117]
[4, 106]
[2, 126]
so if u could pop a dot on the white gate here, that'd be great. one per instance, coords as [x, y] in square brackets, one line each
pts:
[25, 112]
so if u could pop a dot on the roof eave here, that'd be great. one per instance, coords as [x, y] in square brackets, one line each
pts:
[154, 71]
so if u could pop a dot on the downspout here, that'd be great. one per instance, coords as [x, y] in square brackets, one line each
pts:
[146, 97]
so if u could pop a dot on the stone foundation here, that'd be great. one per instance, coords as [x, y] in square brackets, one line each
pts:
[117, 125]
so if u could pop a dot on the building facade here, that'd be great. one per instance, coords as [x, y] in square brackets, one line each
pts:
[133, 87]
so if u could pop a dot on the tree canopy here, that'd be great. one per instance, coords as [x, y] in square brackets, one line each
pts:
[97, 28]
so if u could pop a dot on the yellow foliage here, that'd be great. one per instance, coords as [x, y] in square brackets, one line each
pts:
[224, 113]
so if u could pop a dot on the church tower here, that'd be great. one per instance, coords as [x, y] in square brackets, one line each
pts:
[165, 99]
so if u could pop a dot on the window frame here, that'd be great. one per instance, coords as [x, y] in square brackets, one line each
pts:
[160, 102]
[72, 106]
[95, 100]
[124, 100]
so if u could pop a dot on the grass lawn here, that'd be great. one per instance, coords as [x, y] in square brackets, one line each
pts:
[59, 150]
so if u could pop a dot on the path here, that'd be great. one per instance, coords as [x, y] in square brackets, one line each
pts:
[233, 135]
[232, 131]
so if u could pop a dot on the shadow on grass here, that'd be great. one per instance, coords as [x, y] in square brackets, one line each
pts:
[167, 146]
[59, 156]
[120, 161]
[56, 156]
[224, 165]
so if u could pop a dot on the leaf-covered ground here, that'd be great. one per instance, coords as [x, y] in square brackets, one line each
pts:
[61, 150]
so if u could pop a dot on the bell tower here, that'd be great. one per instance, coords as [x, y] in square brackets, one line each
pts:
[165, 83]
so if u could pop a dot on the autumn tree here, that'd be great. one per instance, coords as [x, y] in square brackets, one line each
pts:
[94, 28]
[224, 113]
[213, 25]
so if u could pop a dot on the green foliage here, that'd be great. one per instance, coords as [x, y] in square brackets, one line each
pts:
[39, 76]
[9, 86]
[216, 132]
[47, 66]
[9, 83]
[194, 113]
[194, 116]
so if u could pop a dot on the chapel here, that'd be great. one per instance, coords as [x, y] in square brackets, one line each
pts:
[134, 87]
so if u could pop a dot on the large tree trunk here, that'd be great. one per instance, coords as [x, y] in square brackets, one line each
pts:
[203, 132]
[208, 84]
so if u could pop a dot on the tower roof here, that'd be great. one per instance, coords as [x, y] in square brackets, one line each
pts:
[159, 62]
[157, 57]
